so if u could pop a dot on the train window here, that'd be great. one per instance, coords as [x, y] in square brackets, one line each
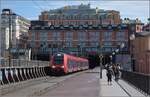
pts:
[58, 60]
[69, 63]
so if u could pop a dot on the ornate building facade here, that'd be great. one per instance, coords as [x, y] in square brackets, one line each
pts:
[80, 15]
[83, 38]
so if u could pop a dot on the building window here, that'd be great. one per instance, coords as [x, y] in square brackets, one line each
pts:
[120, 36]
[82, 43]
[108, 43]
[43, 36]
[69, 38]
[43, 44]
[56, 36]
[33, 36]
[94, 36]
[68, 44]
[82, 36]
[108, 36]
[94, 44]
[32, 44]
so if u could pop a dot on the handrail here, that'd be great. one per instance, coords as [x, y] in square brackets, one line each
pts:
[141, 81]
[23, 63]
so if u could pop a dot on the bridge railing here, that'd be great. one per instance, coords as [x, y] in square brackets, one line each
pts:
[139, 80]
[23, 63]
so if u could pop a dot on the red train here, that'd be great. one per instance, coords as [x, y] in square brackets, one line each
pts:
[64, 63]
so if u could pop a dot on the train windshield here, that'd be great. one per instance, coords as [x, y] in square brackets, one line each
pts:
[58, 60]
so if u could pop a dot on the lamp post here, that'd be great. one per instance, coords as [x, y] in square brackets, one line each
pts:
[113, 57]
[100, 58]
[122, 46]
[132, 37]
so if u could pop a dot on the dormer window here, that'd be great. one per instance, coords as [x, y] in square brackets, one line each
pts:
[90, 27]
[85, 25]
[109, 27]
[43, 28]
[80, 27]
[61, 27]
[99, 27]
[52, 27]
[66, 25]
[71, 27]
[119, 27]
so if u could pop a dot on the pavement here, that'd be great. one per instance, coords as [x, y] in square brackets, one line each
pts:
[117, 89]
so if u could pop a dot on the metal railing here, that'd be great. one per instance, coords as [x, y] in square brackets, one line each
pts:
[140, 81]
[23, 63]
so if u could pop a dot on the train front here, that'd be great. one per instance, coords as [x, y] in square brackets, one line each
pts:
[57, 65]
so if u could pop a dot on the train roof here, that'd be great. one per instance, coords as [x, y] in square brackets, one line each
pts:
[79, 58]
[60, 54]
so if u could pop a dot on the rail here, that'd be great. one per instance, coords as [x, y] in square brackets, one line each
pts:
[23, 63]
[140, 81]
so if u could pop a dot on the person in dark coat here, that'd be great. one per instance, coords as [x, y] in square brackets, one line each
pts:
[117, 72]
[109, 75]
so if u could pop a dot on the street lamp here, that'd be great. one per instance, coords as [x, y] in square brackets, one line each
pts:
[100, 58]
[122, 46]
[132, 37]
[113, 57]
[113, 53]
[117, 50]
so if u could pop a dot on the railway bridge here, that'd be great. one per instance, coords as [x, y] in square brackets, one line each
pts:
[30, 78]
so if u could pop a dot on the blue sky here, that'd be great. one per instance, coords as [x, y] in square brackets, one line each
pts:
[31, 9]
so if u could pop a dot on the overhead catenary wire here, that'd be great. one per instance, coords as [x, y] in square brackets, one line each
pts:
[37, 5]
[47, 3]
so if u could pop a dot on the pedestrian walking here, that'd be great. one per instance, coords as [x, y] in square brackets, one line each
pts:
[113, 68]
[117, 72]
[109, 75]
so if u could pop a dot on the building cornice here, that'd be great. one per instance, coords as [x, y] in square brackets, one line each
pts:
[80, 27]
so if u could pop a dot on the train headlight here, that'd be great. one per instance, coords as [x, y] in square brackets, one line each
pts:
[53, 66]
[62, 66]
